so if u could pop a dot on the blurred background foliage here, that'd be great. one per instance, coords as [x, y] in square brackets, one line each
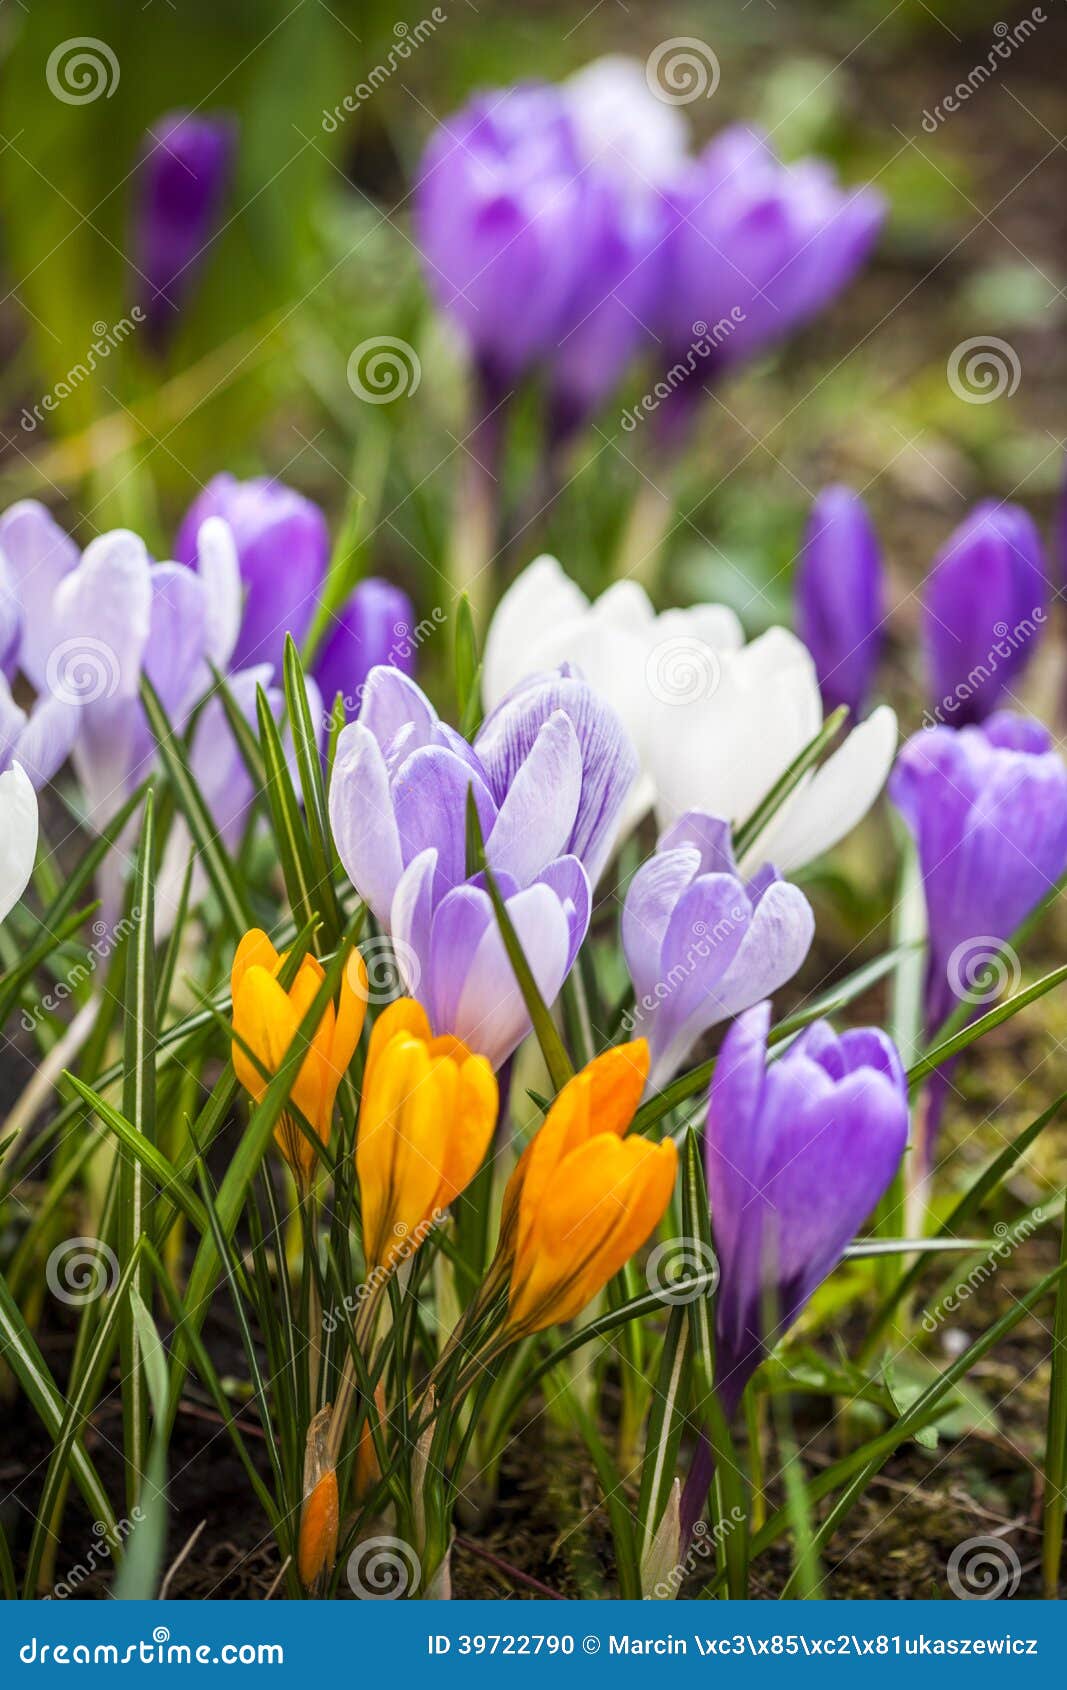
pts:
[316, 255]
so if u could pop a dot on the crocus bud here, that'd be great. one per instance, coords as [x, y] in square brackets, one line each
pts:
[283, 552]
[984, 611]
[583, 1198]
[266, 1017]
[503, 223]
[839, 598]
[374, 626]
[181, 186]
[317, 1546]
[426, 1118]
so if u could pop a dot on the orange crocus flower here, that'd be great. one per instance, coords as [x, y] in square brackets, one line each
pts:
[583, 1198]
[267, 1017]
[425, 1122]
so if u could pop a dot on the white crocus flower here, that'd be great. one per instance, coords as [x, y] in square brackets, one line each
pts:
[716, 722]
[18, 835]
[722, 751]
[632, 656]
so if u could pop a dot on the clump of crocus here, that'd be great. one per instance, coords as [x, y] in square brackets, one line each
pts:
[583, 1197]
[266, 1017]
[840, 599]
[984, 611]
[182, 181]
[426, 1118]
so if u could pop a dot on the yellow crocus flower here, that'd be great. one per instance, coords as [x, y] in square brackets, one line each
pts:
[267, 1017]
[425, 1122]
[583, 1198]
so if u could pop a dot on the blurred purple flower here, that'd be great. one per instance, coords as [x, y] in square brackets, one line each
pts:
[506, 218]
[549, 771]
[374, 627]
[631, 144]
[182, 181]
[984, 610]
[798, 1154]
[283, 550]
[839, 598]
[757, 248]
[700, 944]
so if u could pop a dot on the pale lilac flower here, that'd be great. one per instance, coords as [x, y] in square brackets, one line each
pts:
[549, 773]
[702, 945]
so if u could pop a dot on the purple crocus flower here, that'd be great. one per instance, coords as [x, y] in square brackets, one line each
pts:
[987, 807]
[549, 772]
[839, 598]
[757, 249]
[283, 550]
[984, 611]
[700, 944]
[798, 1154]
[374, 627]
[505, 217]
[182, 181]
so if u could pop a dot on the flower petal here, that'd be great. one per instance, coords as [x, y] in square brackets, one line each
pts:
[837, 796]
[18, 838]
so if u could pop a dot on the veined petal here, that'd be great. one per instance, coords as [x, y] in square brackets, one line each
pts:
[429, 797]
[538, 811]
